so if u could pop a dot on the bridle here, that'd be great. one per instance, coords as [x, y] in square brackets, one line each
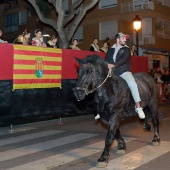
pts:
[88, 91]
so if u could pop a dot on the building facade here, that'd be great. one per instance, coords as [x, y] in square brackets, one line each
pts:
[105, 20]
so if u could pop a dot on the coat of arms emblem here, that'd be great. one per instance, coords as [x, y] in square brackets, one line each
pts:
[39, 67]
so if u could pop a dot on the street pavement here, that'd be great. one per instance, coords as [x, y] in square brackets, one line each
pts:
[76, 143]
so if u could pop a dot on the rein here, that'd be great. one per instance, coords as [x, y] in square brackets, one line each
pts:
[87, 91]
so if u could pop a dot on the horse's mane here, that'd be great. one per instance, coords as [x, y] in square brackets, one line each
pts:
[93, 59]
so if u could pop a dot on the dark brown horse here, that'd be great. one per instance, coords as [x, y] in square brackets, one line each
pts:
[114, 99]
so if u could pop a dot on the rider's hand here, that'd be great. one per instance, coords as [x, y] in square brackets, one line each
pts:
[110, 66]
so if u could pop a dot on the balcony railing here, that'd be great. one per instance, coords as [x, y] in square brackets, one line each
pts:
[144, 39]
[136, 6]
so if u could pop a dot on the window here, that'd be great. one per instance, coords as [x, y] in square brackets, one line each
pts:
[159, 2]
[22, 17]
[79, 34]
[145, 34]
[108, 29]
[11, 23]
[107, 4]
[164, 2]
[65, 6]
[147, 26]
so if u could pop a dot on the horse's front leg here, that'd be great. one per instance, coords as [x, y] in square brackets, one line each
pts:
[113, 125]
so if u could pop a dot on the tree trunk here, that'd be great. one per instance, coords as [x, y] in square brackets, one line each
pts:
[77, 13]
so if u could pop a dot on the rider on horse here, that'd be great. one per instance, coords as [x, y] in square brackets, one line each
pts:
[118, 58]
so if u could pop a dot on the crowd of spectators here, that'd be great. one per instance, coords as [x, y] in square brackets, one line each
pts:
[162, 78]
[37, 40]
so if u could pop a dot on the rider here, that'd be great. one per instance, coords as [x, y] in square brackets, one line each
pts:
[118, 57]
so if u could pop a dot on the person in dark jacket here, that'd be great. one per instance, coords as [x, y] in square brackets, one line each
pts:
[118, 57]
[94, 46]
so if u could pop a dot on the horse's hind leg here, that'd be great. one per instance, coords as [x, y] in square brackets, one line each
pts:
[154, 114]
[121, 143]
[145, 122]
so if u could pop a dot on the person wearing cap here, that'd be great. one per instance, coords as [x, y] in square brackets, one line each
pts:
[38, 39]
[118, 58]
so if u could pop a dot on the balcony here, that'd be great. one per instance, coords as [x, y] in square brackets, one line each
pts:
[144, 39]
[133, 6]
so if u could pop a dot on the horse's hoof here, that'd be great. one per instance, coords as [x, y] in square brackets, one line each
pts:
[155, 143]
[101, 164]
[121, 151]
[147, 127]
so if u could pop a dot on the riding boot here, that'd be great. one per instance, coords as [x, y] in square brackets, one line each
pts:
[140, 112]
[97, 117]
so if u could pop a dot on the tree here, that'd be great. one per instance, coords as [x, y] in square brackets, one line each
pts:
[78, 11]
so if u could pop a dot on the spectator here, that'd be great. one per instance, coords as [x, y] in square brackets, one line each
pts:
[133, 50]
[167, 91]
[104, 48]
[2, 41]
[38, 39]
[94, 46]
[108, 41]
[24, 38]
[52, 43]
[74, 45]
[167, 77]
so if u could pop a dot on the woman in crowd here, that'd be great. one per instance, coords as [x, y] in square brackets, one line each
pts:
[133, 50]
[74, 45]
[24, 38]
[52, 43]
[94, 46]
[108, 41]
[38, 39]
[104, 48]
[2, 41]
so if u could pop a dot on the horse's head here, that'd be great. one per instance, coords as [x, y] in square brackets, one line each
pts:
[87, 77]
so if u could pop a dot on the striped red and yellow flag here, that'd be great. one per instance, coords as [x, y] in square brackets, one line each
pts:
[36, 67]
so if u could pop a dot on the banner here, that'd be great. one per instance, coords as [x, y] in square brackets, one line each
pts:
[36, 67]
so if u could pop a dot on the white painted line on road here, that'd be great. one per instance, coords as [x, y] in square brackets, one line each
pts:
[65, 157]
[137, 158]
[22, 138]
[15, 130]
[14, 153]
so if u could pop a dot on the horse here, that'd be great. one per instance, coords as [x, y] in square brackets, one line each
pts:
[114, 100]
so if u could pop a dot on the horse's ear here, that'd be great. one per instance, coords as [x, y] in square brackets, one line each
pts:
[78, 60]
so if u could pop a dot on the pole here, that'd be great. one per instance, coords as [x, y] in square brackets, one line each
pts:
[137, 44]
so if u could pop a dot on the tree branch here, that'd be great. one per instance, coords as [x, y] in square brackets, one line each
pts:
[41, 17]
[80, 16]
[73, 11]
[52, 2]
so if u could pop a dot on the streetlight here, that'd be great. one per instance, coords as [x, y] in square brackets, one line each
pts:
[137, 26]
